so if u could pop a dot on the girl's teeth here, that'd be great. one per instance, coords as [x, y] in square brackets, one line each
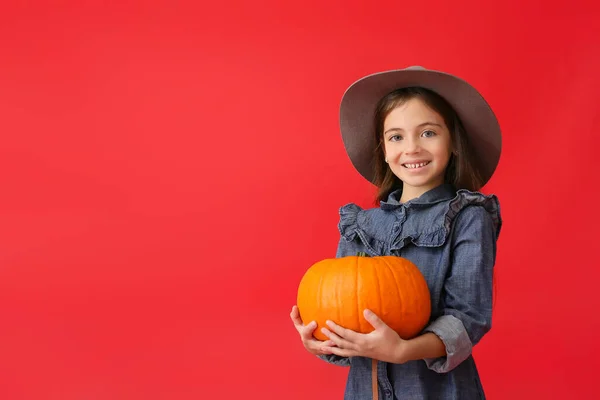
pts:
[417, 165]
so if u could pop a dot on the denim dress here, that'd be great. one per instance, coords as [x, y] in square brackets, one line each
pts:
[451, 236]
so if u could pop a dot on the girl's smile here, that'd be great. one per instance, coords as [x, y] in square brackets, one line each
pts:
[416, 165]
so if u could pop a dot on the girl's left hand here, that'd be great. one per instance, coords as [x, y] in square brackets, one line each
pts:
[383, 344]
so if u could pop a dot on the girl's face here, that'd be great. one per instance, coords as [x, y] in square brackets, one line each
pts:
[417, 147]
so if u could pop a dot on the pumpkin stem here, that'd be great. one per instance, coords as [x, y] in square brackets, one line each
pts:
[362, 254]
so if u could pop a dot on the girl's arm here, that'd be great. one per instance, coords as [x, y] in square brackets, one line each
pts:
[424, 346]
[467, 313]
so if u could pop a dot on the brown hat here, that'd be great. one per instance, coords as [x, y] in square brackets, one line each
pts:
[357, 115]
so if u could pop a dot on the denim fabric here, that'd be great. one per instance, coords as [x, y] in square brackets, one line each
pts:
[451, 236]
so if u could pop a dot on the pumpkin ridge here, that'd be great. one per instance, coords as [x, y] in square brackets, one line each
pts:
[380, 306]
[340, 283]
[320, 301]
[414, 286]
[398, 291]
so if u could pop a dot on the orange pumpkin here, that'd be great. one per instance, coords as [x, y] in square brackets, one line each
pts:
[339, 289]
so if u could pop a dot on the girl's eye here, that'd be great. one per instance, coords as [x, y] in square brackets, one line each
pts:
[428, 134]
[395, 138]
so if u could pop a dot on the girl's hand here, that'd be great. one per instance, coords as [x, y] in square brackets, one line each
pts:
[383, 344]
[311, 344]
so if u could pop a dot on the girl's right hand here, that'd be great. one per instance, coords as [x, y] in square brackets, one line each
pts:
[311, 344]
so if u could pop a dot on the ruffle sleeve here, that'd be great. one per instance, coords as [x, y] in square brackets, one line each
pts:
[348, 225]
[465, 198]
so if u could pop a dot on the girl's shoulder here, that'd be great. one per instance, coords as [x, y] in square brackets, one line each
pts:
[482, 206]
[426, 221]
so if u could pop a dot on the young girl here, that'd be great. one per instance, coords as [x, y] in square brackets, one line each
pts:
[429, 142]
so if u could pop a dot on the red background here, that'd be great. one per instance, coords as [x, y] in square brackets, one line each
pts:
[168, 173]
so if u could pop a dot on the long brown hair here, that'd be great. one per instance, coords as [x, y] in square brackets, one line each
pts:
[461, 170]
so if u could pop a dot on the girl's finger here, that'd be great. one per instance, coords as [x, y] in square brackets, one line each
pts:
[339, 342]
[295, 316]
[317, 345]
[341, 331]
[306, 331]
[337, 351]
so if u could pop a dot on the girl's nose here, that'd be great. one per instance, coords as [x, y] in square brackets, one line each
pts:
[412, 146]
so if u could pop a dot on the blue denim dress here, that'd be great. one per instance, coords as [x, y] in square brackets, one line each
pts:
[451, 236]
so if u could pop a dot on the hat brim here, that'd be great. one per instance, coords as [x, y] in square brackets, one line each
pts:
[358, 106]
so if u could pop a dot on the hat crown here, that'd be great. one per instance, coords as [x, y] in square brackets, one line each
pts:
[415, 67]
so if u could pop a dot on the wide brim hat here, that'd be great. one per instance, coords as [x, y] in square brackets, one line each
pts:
[359, 102]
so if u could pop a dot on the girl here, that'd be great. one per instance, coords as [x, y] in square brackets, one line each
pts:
[429, 142]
